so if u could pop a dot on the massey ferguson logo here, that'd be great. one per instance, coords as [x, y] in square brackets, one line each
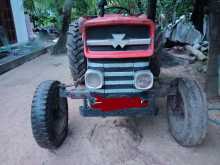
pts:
[118, 40]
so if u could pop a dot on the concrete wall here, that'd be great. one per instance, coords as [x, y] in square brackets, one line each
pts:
[19, 20]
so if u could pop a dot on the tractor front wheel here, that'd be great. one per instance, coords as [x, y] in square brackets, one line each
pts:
[187, 112]
[49, 115]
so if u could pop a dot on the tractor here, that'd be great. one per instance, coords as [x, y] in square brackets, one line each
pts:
[116, 70]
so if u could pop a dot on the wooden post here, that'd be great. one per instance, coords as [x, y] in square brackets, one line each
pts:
[213, 74]
[218, 75]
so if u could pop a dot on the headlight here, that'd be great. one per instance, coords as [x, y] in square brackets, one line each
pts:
[143, 80]
[94, 79]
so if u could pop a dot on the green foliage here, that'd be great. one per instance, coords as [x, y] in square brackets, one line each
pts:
[83, 8]
[185, 7]
[132, 5]
[45, 12]
[29, 5]
[168, 7]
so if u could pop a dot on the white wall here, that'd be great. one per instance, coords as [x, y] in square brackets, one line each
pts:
[19, 20]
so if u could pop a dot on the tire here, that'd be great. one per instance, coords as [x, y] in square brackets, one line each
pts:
[155, 65]
[75, 52]
[187, 113]
[49, 115]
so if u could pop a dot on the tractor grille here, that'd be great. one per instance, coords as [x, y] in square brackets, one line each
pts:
[118, 75]
[118, 38]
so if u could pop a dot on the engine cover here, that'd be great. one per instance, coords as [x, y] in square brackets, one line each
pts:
[118, 36]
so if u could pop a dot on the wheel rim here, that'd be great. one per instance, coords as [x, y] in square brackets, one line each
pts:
[176, 112]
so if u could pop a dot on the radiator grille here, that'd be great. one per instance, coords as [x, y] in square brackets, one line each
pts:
[105, 38]
[118, 75]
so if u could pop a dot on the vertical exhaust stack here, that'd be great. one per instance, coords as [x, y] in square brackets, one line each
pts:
[101, 6]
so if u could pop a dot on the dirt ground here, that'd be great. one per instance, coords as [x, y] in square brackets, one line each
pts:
[91, 141]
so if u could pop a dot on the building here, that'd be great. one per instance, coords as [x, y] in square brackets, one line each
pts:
[12, 21]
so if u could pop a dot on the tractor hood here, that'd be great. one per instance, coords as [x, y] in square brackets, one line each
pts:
[118, 36]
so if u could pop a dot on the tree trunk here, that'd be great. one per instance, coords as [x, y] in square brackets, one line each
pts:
[3, 37]
[198, 14]
[152, 8]
[213, 75]
[60, 46]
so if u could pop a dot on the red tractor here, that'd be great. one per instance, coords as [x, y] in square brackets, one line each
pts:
[113, 55]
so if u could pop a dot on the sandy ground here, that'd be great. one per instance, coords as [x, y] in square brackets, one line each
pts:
[91, 141]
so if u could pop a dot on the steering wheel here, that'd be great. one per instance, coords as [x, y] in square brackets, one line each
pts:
[117, 10]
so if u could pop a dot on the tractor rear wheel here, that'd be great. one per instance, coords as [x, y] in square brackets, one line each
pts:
[155, 65]
[187, 113]
[75, 52]
[49, 115]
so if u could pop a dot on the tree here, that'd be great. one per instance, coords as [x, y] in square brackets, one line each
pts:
[213, 75]
[43, 12]
[152, 6]
[60, 46]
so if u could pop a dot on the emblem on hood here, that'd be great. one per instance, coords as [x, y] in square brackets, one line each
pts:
[118, 40]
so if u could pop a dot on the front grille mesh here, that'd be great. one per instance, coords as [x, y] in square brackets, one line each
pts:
[106, 33]
[118, 75]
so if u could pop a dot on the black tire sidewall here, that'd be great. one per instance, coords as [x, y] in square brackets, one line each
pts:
[195, 112]
[75, 51]
[54, 94]
[45, 99]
